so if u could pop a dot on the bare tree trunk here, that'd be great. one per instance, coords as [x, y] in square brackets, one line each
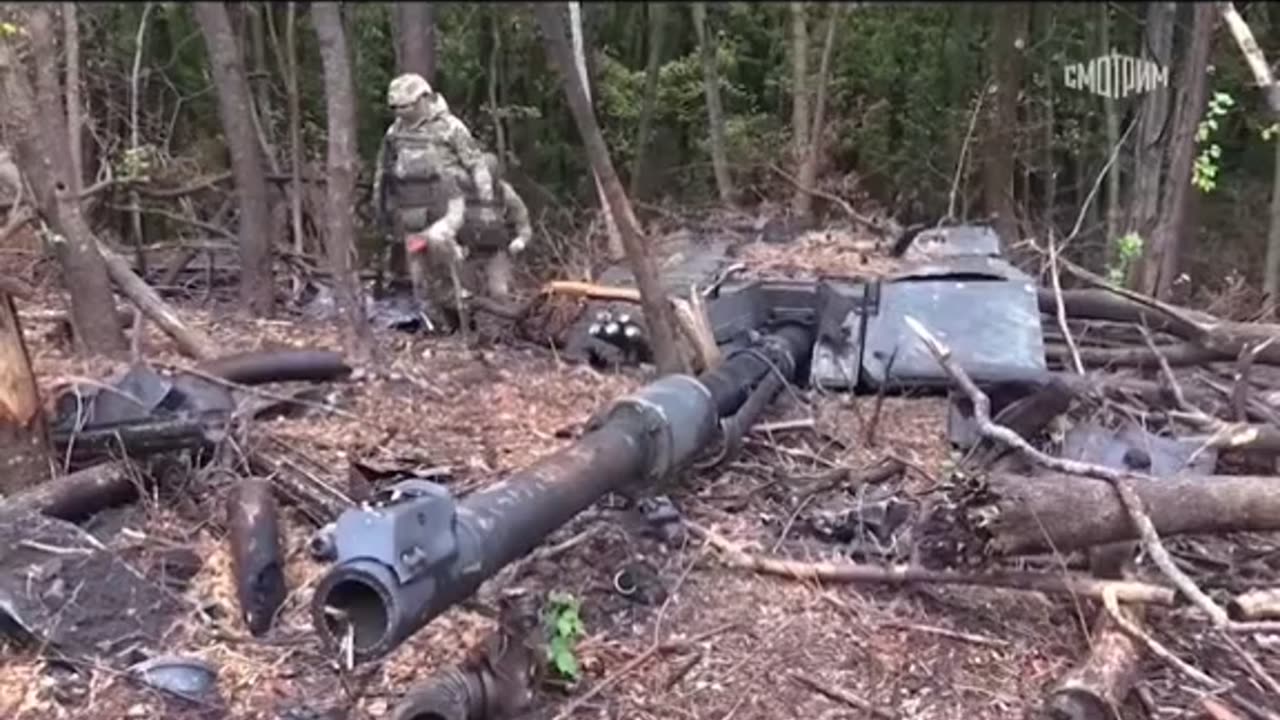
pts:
[415, 38]
[1161, 256]
[657, 33]
[37, 125]
[287, 61]
[657, 310]
[616, 244]
[1252, 55]
[1112, 119]
[1271, 273]
[135, 140]
[715, 113]
[1008, 46]
[1149, 146]
[802, 203]
[261, 83]
[257, 287]
[495, 82]
[71, 35]
[340, 233]
[24, 440]
[799, 83]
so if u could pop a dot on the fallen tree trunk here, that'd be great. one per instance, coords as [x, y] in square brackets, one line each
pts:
[1181, 354]
[191, 342]
[1096, 689]
[24, 440]
[1057, 512]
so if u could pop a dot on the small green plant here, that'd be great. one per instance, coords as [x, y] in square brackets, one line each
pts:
[8, 29]
[564, 627]
[1205, 172]
[1128, 250]
[1270, 131]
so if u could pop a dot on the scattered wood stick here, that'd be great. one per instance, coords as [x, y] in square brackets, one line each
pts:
[1111, 603]
[1061, 308]
[1095, 689]
[842, 696]
[1256, 605]
[1118, 480]
[1057, 583]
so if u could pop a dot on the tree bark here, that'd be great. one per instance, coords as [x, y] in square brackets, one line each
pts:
[1149, 146]
[802, 201]
[1271, 266]
[1253, 56]
[1161, 256]
[257, 287]
[799, 82]
[657, 33]
[1112, 121]
[1054, 512]
[657, 310]
[1096, 689]
[340, 233]
[24, 439]
[415, 37]
[1008, 46]
[715, 113]
[616, 244]
[71, 35]
[37, 124]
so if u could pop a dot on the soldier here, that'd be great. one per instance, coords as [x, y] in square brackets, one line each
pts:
[495, 235]
[426, 159]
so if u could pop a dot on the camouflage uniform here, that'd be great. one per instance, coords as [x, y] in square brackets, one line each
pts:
[491, 238]
[427, 159]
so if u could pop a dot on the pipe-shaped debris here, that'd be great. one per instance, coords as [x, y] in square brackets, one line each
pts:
[255, 553]
[416, 552]
[267, 366]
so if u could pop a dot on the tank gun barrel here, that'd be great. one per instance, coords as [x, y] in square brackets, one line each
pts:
[417, 551]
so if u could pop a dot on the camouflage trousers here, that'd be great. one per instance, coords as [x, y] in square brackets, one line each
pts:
[495, 267]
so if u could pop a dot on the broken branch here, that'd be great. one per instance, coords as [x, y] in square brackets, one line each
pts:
[1119, 481]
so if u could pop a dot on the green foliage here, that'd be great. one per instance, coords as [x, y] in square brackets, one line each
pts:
[1128, 250]
[564, 627]
[1205, 171]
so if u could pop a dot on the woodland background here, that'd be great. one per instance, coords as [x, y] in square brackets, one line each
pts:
[915, 112]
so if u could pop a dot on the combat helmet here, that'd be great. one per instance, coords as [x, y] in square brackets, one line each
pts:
[407, 89]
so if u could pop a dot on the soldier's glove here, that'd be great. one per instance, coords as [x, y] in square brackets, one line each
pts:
[516, 246]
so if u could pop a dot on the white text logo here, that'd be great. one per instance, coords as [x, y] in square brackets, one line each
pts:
[1116, 76]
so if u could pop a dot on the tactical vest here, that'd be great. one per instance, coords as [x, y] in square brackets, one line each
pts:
[418, 160]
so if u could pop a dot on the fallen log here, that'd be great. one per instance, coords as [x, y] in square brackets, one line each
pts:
[78, 495]
[255, 553]
[24, 440]
[1180, 354]
[1224, 337]
[1058, 512]
[1256, 605]
[190, 341]
[1096, 688]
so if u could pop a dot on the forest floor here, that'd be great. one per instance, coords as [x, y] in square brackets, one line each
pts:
[917, 652]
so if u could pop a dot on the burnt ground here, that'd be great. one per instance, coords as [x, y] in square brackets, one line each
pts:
[919, 652]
